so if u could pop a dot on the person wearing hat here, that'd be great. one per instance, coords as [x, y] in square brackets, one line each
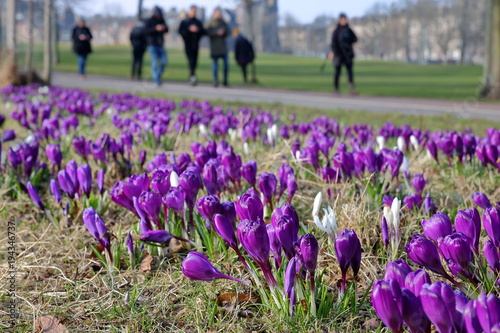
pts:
[81, 37]
[191, 29]
[139, 46]
[243, 52]
[218, 30]
[155, 28]
[342, 52]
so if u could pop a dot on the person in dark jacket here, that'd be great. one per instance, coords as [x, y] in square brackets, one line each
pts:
[243, 52]
[342, 52]
[139, 46]
[155, 28]
[191, 29]
[81, 37]
[217, 30]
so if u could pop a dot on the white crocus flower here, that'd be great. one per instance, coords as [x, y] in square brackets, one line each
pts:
[274, 131]
[328, 223]
[393, 219]
[174, 179]
[405, 166]
[317, 203]
[380, 141]
[203, 129]
[246, 149]
[232, 134]
[401, 143]
[270, 138]
[414, 142]
[43, 90]
[297, 155]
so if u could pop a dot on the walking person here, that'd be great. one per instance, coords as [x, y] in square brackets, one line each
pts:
[217, 30]
[243, 52]
[191, 29]
[342, 52]
[139, 46]
[81, 37]
[156, 27]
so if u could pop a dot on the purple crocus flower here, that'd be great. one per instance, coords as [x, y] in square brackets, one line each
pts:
[456, 250]
[438, 302]
[142, 157]
[249, 172]
[291, 186]
[225, 230]
[142, 181]
[419, 182]
[415, 280]
[254, 239]
[422, 251]
[488, 311]
[174, 199]
[472, 324]
[412, 312]
[413, 201]
[286, 231]
[289, 280]
[267, 185]
[95, 225]
[385, 231]
[229, 211]
[438, 226]
[53, 152]
[491, 222]
[130, 244]
[160, 182]
[84, 176]
[159, 236]
[348, 249]
[191, 183]
[8, 135]
[210, 177]
[151, 203]
[34, 196]
[55, 190]
[308, 250]
[468, 222]
[397, 270]
[196, 266]
[100, 180]
[122, 194]
[480, 199]
[249, 206]
[209, 206]
[66, 183]
[491, 254]
[429, 205]
[275, 245]
[386, 299]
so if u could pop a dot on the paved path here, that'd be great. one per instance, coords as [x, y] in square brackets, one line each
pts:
[468, 108]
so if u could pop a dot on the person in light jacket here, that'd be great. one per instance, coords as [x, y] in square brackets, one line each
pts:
[218, 30]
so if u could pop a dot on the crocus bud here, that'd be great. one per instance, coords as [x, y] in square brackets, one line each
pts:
[191, 183]
[210, 177]
[254, 239]
[158, 236]
[142, 181]
[249, 172]
[491, 222]
[385, 232]
[95, 225]
[468, 222]
[122, 194]
[142, 157]
[438, 302]
[438, 226]
[456, 250]
[209, 206]
[160, 182]
[491, 254]
[308, 250]
[54, 154]
[174, 179]
[55, 190]
[275, 245]
[84, 175]
[34, 196]
[72, 172]
[386, 299]
[480, 199]
[471, 320]
[225, 230]
[429, 205]
[249, 206]
[424, 252]
[66, 183]
[291, 187]
[413, 201]
[267, 185]
[287, 232]
[8, 135]
[174, 199]
[415, 280]
[397, 270]
[151, 202]
[412, 312]
[348, 249]
[488, 311]
[197, 267]
[100, 180]
[130, 244]
[289, 281]
[229, 211]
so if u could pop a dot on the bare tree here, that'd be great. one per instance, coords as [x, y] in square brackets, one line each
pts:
[29, 43]
[491, 76]
[444, 29]
[11, 27]
[47, 45]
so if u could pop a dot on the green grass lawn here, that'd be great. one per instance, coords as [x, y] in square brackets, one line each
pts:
[374, 78]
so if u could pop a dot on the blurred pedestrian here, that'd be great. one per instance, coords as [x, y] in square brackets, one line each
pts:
[81, 37]
[191, 29]
[217, 30]
[243, 52]
[342, 52]
[156, 27]
[139, 46]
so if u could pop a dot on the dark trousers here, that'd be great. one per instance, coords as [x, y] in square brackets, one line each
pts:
[137, 56]
[338, 70]
[192, 56]
[244, 71]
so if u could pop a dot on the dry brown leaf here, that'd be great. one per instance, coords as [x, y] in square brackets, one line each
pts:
[234, 298]
[146, 262]
[50, 324]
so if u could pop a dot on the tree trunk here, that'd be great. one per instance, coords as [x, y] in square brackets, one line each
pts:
[10, 42]
[139, 10]
[464, 31]
[55, 37]
[29, 45]
[491, 72]
[47, 45]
